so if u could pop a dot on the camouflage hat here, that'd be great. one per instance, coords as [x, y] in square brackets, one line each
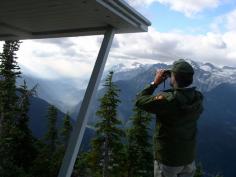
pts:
[181, 66]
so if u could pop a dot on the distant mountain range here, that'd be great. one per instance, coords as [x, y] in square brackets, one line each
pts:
[66, 93]
[38, 117]
[217, 125]
[63, 93]
[39, 123]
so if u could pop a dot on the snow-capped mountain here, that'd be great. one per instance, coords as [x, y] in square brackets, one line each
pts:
[66, 93]
[128, 71]
[208, 76]
[216, 130]
[216, 126]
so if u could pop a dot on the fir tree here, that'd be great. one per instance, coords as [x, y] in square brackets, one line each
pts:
[54, 151]
[199, 171]
[66, 130]
[9, 71]
[219, 175]
[26, 150]
[82, 169]
[52, 135]
[139, 151]
[9, 132]
[107, 154]
[50, 155]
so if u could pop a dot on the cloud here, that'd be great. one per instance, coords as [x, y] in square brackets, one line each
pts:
[187, 7]
[62, 42]
[225, 22]
[53, 59]
[231, 22]
[75, 57]
[212, 47]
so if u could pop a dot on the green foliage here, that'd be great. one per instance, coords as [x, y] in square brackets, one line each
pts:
[139, 148]
[26, 150]
[199, 171]
[219, 175]
[82, 166]
[9, 71]
[51, 136]
[51, 152]
[107, 155]
[10, 134]
[22, 155]
[66, 130]
[9, 155]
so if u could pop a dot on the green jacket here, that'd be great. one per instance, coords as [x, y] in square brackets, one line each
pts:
[177, 112]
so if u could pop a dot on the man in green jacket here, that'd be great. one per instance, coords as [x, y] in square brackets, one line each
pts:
[177, 111]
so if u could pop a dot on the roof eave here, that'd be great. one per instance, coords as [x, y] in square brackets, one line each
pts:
[127, 13]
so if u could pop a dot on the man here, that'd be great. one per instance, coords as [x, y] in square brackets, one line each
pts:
[177, 111]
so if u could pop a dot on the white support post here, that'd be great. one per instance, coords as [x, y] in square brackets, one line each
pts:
[81, 122]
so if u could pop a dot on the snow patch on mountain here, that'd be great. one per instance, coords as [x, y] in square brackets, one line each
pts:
[127, 66]
[129, 70]
[66, 93]
[209, 76]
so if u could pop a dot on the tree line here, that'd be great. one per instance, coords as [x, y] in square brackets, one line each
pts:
[114, 151]
[22, 154]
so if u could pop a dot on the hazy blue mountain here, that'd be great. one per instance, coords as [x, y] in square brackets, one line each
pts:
[63, 93]
[217, 125]
[38, 116]
[38, 121]
[217, 131]
[66, 93]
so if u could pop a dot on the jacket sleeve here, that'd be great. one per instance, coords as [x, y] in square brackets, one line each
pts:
[147, 102]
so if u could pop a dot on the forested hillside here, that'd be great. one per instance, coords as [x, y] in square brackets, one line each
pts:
[34, 134]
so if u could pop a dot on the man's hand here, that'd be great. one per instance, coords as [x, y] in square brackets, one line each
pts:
[160, 77]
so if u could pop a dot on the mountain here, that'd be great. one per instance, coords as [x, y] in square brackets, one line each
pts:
[63, 93]
[208, 76]
[217, 130]
[127, 72]
[38, 117]
[217, 125]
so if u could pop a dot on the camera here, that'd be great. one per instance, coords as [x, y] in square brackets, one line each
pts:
[167, 73]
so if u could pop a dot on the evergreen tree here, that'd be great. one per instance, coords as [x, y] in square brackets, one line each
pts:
[52, 135]
[41, 166]
[9, 132]
[49, 158]
[26, 150]
[139, 151]
[199, 171]
[107, 155]
[81, 168]
[66, 130]
[219, 175]
[9, 71]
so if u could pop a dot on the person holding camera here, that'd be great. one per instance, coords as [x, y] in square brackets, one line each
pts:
[177, 111]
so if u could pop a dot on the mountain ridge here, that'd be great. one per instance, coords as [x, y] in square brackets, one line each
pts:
[217, 125]
[66, 93]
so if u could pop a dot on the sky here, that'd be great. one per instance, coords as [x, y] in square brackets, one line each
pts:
[202, 30]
